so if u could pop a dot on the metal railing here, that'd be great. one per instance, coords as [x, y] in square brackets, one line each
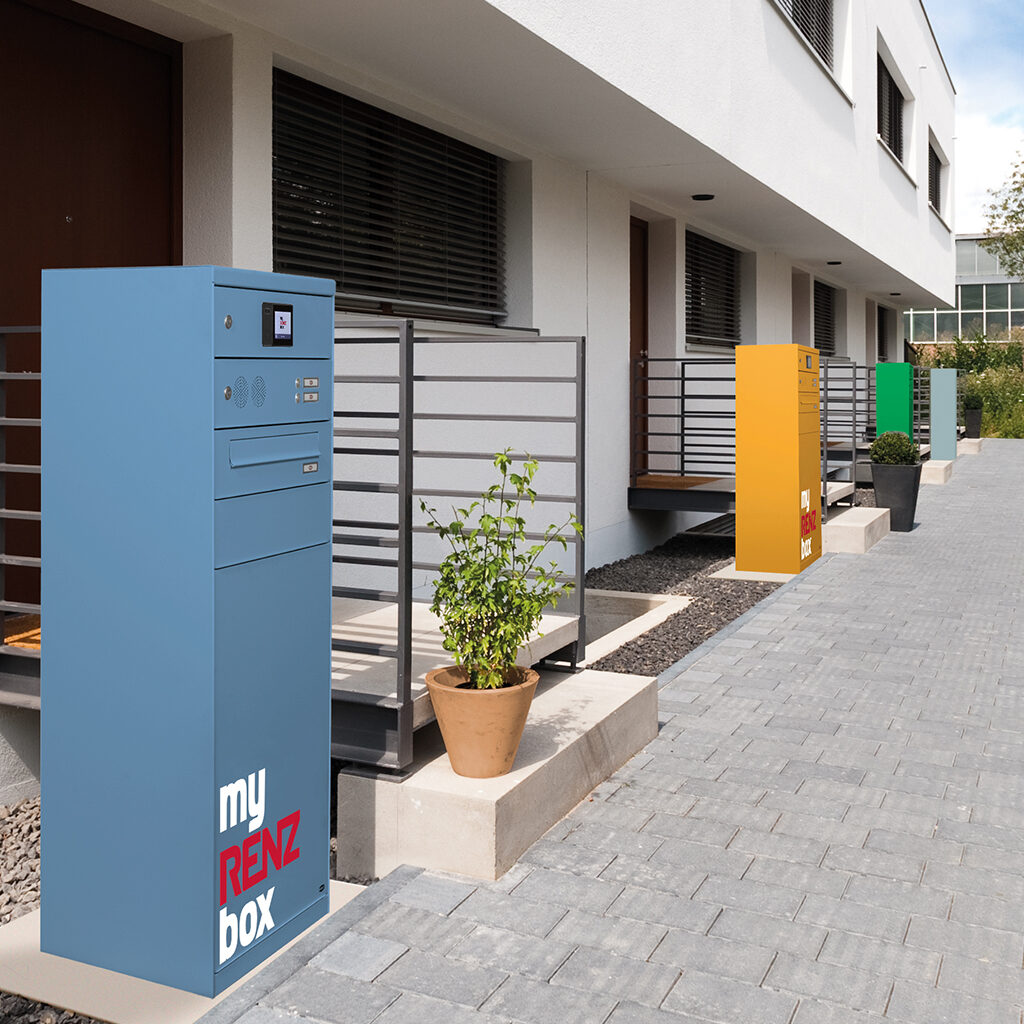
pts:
[683, 418]
[847, 405]
[922, 405]
[418, 418]
[19, 662]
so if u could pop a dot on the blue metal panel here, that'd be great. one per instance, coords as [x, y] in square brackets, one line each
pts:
[311, 318]
[135, 664]
[943, 414]
[273, 630]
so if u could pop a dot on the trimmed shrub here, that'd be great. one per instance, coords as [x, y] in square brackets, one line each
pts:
[894, 448]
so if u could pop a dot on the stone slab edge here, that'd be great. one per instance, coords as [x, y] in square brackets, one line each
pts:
[318, 938]
[727, 631]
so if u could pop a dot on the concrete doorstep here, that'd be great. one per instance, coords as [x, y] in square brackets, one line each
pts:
[581, 728]
[854, 530]
[937, 471]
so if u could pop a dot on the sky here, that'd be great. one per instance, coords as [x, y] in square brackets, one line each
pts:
[982, 42]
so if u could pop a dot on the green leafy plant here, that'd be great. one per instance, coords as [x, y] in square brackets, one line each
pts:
[493, 588]
[973, 391]
[894, 448]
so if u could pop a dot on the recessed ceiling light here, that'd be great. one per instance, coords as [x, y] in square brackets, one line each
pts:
[835, 263]
[894, 294]
[702, 197]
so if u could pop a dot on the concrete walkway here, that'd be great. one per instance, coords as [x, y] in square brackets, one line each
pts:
[829, 827]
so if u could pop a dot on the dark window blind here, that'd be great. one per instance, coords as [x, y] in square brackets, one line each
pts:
[814, 20]
[402, 217]
[934, 173]
[712, 292]
[824, 318]
[890, 111]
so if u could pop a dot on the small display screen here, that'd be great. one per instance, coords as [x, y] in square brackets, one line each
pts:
[278, 329]
[282, 325]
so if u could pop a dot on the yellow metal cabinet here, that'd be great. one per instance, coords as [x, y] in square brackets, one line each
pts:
[778, 458]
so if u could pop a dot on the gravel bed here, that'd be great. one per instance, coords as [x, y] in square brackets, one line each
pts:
[683, 565]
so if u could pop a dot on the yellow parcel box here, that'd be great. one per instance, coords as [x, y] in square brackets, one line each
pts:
[778, 458]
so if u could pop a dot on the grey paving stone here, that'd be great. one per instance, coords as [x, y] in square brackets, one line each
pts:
[969, 908]
[563, 856]
[594, 970]
[431, 892]
[742, 961]
[908, 897]
[970, 940]
[729, 863]
[433, 975]
[813, 1011]
[731, 813]
[694, 830]
[960, 878]
[635, 1013]
[916, 1003]
[851, 916]
[620, 935]
[266, 1015]
[663, 908]
[608, 840]
[771, 932]
[746, 894]
[872, 862]
[880, 958]
[667, 878]
[411, 1008]
[503, 910]
[858, 990]
[416, 928]
[331, 997]
[980, 977]
[827, 830]
[521, 954]
[711, 998]
[801, 877]
[779, 846]
[358, 956]
[567, 890]
[535, 1002]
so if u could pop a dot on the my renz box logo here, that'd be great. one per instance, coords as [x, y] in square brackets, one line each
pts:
[254, 859]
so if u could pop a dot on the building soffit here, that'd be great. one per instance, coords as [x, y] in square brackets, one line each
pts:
[495, 72]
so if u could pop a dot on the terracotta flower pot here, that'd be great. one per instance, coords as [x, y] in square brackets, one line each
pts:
[481, 728]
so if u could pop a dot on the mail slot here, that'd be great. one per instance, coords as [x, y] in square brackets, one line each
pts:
[187, 517]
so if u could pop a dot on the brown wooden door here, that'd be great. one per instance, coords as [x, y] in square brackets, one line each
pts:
[638, 340]
[90, 175]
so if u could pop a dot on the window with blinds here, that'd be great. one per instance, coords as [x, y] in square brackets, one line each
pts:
[402, 217]
[934, 175]
[824, 318]
[813, 19]
[712, 292]
[890, 111]
[883, 334]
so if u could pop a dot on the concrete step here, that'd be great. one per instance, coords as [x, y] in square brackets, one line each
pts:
[855, 530]
[937, 471]
[968, 446]
[581, 728]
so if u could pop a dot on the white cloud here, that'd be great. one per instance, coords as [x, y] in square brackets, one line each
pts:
[984, 153]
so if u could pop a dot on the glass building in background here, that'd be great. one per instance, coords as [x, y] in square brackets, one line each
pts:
[989, 303]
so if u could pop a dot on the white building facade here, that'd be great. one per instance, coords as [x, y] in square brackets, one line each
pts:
[603, 115]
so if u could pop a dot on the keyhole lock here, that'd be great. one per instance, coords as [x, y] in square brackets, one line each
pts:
[228, 321]
[227, 393]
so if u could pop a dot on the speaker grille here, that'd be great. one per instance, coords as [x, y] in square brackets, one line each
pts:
[241, 392]
[259, 391]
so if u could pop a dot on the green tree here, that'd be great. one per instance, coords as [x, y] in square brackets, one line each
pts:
[1005, 221]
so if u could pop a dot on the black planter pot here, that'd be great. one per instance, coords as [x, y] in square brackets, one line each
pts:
[896, 489]
[972, 422]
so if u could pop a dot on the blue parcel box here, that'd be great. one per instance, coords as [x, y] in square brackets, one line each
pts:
[186, 508]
